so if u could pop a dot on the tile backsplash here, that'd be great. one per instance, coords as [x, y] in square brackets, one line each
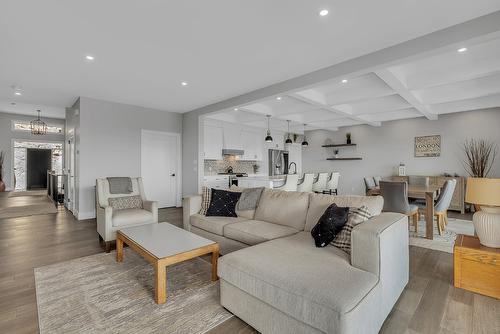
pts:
[212, 167]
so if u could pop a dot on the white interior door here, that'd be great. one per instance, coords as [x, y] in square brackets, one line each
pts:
[159, 166]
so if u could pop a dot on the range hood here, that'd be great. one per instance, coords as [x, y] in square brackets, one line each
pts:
[228, 151]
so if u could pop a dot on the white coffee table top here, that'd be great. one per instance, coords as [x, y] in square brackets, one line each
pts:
[164, 239]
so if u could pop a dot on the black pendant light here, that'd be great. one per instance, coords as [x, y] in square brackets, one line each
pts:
[269, 139]
[288, 140]
[304, 142]
[37, 126]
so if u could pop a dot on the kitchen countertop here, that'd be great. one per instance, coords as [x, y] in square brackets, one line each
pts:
[264, 177]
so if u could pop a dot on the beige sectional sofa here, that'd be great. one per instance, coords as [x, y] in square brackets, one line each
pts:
[274, 278]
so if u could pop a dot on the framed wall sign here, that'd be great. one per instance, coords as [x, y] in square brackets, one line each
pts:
[428, 146]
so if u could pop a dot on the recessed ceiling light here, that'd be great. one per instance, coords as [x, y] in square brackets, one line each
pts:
[18, 93]
[323, 12]
[184, 83]
[462, 50]
[344, 80]
[279, 98]
[235, 109]
[89, 57]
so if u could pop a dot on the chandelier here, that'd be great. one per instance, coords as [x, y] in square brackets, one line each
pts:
[37, 126]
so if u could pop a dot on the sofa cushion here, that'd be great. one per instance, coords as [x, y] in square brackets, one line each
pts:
[206, 195]
[319, 203]
[126, 202]
[128, 217]
[313, 285]
[252, 232]
[331, 222]
[284, 207]
[213, 224]
[356, 217]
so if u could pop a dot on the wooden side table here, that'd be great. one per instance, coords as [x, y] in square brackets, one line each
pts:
[476, 267]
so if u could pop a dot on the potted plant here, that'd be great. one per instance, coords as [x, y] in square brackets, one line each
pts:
[348, 137]
[2, 184]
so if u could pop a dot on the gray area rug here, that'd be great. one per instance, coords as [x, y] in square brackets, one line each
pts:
[443, 242]
[95, 294]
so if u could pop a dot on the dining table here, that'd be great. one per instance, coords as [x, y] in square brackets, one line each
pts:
[428, 193]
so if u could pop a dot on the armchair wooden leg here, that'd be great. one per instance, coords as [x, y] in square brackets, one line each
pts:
[108, 246]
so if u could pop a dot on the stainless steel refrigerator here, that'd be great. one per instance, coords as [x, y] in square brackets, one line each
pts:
[278, 162]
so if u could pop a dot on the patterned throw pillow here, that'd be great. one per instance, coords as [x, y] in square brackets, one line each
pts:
[223, 203]
[126, 202]
[356, 217]
[331, 222]
[206, 194]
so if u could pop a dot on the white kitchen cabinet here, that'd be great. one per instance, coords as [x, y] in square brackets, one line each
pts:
[252, 145]
[232, 137]
[213, 142]
[216, 181]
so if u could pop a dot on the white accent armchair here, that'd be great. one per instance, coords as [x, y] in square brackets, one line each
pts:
[109, 221]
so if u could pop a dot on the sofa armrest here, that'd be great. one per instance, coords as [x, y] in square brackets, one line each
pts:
[151, 206]
[383, 235]
[191, 204]
[381, 246]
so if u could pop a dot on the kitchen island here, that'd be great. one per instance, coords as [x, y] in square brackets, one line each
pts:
[262, 181]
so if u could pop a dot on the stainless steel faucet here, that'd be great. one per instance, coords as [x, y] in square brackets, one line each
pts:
[290, 166]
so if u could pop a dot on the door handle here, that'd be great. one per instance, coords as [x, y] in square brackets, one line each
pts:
[172, 174]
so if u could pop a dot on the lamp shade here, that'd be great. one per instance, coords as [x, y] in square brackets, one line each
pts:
[483, 191]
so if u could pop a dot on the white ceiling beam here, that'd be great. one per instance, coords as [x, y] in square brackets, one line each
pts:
[331, 109]
[399, 87]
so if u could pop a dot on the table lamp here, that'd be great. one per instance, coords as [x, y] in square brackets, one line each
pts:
[485, 193]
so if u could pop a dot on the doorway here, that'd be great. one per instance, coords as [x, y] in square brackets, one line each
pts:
[38, 162]
[160, 167]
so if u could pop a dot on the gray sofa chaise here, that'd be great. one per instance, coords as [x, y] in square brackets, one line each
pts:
[274, 278]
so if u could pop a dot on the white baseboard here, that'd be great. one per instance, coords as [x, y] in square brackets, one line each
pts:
[85, 215]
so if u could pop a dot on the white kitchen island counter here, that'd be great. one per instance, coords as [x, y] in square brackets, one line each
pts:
[261, 181]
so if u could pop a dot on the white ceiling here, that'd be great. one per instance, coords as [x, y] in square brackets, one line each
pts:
[443, 82]
[144, 49]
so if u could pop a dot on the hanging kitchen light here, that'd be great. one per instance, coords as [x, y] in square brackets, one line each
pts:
[288, 140]
[269, 139]
[37, 126]
[304, 142]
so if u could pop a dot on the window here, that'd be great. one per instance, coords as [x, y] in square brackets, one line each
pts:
[25, 126]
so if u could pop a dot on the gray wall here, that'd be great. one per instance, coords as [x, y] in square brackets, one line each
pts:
[192, 162]
[7, 134]
[110, 143]
[383, 148]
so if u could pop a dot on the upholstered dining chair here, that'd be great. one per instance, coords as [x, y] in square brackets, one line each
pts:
[443, 203]
[333, 184]
[370, 187]
[395, 196]
[320, 183]
[307, 183]
[290, 183]
[417, 180]
[377, 180]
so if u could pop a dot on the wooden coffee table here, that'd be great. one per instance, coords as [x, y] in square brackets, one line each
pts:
[162, 245]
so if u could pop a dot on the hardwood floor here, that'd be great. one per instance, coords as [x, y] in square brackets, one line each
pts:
[429, 304]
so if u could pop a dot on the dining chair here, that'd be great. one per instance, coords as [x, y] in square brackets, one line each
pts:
[395, 196]
[370, 186]
[443, 203]
[333, 184]
[417, 180]
[320, 183]
[290, 183]
[377, 180]
[307, 183]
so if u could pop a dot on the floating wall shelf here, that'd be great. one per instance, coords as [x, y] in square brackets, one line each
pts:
[338, 145]
[344, 158]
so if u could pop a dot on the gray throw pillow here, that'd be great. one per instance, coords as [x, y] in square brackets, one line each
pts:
[126, 202]
[356, 216]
